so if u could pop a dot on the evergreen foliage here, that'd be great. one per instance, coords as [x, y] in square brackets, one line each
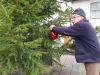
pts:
[24, 35]
[97, 29]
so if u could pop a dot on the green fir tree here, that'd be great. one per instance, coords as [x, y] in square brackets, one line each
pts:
[24, 42]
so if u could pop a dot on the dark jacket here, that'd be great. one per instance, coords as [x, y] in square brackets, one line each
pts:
[86, 43]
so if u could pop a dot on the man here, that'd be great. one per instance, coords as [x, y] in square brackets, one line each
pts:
[86, 43]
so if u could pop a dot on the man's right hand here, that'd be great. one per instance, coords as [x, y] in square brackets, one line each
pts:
[51, 27]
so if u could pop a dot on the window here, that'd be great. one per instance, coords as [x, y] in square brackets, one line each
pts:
[95, 10]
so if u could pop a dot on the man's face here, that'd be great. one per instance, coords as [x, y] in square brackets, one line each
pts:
[76, 18]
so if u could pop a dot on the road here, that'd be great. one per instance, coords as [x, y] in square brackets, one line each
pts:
[70, 67]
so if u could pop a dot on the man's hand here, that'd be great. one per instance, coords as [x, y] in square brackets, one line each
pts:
[51, 27]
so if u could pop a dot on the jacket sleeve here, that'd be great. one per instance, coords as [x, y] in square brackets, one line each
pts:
[75, 30]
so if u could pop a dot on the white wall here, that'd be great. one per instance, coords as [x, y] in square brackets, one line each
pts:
[85, 5]
[94, 0]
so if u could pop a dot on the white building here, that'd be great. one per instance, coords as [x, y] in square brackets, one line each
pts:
[92, 9]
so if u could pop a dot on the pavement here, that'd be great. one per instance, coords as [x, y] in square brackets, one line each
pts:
[70, 67]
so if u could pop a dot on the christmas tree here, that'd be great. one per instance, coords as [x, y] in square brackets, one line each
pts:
[24, 42]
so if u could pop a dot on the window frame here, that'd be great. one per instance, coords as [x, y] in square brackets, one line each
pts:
[94, 11]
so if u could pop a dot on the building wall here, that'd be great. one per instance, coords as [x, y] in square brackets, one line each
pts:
[94, 0]
[82, 4]
[85, 5]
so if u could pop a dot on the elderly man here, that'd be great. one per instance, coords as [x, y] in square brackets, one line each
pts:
[86, 43]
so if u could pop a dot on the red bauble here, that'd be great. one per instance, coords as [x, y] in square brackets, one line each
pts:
[52, 35]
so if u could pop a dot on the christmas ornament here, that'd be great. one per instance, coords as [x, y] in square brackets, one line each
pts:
[52, 35]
